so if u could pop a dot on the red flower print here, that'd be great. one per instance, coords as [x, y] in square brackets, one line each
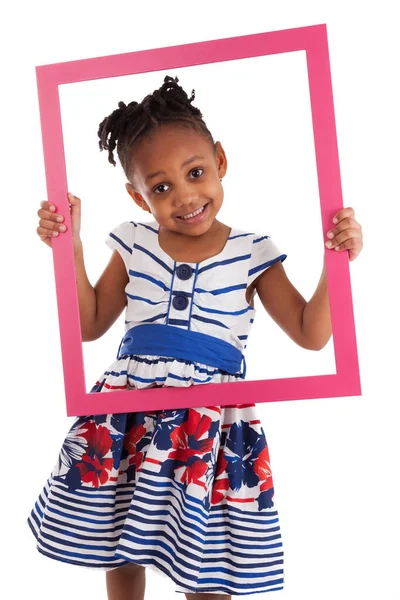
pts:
[95, 471]
[98, 438]
[131, 440]
[219, 490]
[221, 485]
[94, 467]
[221, 464]
[188, 447]
[133, 436]
[137, 460]
[263, 470]
[186, 438]
[194, 472]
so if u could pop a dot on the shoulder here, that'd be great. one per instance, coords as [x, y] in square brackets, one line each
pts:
[255, 242]
[264, 254]
[124, 227]
[122, 236]
[129, 229]
[251, 237]
[151, 226]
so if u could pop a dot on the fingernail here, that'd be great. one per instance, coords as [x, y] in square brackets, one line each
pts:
[329, 234]
[328, 244]
[60, 218]
[52, 208]
[335, 220]
[55, 233]
[62, 228]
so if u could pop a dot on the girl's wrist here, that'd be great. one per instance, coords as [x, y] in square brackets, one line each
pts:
[78, 247]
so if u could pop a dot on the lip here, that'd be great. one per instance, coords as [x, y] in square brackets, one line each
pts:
[195, 219]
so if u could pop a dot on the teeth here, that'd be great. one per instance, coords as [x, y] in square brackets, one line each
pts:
[193, 214]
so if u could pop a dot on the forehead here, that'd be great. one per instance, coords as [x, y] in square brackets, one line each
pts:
[170, 144]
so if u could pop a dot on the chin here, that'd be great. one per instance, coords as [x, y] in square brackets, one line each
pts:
[198, 229]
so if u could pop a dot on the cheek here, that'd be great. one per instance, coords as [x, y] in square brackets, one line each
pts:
[215, 188]
[159, 207]
[219, 192]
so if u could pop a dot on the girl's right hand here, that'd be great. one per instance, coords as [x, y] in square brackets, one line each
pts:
[52, 224]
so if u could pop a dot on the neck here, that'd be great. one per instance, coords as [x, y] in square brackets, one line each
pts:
[194, 248]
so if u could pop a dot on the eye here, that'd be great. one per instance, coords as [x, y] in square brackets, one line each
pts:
[161, 188]
[196, 173]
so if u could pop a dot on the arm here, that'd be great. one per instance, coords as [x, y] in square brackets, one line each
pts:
[101, 305]
[308, 324]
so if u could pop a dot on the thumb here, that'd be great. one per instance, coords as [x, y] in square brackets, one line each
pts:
[74, 202]
[75, 208]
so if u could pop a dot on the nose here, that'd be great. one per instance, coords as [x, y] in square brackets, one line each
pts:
[185, 195]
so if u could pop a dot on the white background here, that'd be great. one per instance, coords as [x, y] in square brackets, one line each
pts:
[335, 461]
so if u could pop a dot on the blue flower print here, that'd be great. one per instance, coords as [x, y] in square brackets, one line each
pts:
[243, 445]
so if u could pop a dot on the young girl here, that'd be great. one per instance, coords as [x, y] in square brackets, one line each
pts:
[186, 492]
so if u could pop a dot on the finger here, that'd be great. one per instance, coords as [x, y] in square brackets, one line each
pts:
[350, 244]
[46, 240]
[353, 253]
[47, 236]
[352, 247]
[348, 234]
[43, 232]
[50, 226]
[343, 213]
[49, 216]
[347, 223]
[48, 206]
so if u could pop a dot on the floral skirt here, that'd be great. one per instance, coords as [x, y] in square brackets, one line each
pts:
[186, 492]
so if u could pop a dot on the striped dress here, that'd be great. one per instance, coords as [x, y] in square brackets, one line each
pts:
[186, 492]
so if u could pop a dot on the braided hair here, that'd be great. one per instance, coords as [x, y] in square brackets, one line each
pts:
[170, 104]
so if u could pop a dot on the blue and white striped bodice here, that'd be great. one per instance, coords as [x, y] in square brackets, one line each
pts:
[208, 298]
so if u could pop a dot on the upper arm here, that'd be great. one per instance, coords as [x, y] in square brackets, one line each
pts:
[282, 301]
[110, 293]
[110, 288]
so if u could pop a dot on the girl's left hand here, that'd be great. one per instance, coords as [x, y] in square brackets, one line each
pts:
[347, 234]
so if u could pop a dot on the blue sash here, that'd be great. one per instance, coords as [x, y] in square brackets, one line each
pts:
[169, 341]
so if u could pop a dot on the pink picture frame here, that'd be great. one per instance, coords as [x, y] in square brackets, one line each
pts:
[346, 380]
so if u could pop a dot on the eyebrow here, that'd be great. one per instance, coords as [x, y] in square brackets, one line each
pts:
[185, 164]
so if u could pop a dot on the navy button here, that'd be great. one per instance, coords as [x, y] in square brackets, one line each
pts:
[180, 302]
[184, 272]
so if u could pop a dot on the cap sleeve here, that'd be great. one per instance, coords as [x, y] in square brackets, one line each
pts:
[264, 254]
[121, 239]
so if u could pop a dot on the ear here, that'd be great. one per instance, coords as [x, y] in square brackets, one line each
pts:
[222, 162]
[137, 198]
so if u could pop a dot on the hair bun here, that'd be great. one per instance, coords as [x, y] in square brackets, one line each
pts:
[168, 78]
[167, 105]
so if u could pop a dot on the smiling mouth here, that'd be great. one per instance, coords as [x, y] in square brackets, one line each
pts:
[193, 214]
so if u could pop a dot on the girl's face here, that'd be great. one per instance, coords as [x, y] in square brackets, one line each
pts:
[176, 177]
